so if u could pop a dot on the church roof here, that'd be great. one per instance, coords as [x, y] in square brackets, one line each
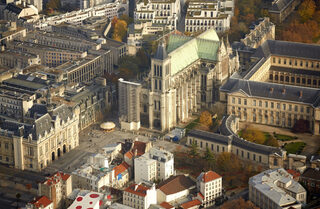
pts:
[161, 52]
[184, 50]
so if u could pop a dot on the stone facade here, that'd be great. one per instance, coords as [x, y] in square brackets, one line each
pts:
[44, 136]
[203, 15]
[184, 78]
[281, 9]
[279, 89]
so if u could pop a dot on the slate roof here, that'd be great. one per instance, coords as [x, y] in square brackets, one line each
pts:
[309, 96]
[311, 173]
[63, 112]
[13, 8]
[227, 136]
[42, 126]
[288, 49]
[280, 5]
[217, 138]
[161, 52]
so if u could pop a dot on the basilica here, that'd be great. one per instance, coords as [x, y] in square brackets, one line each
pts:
[185, 76]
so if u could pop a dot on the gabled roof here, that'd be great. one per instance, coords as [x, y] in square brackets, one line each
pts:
[137, 189]
[166, 205]
[140, 147]
[41, 202]
[208, 176]
[120, 168]
[176, 184]
[161, 52]
[191, 204]
[311, 173]
[185, 50]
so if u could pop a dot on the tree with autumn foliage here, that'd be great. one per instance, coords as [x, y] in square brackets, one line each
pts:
[238, 203]
[53, 5]
[227, 161]
[206, 118]
[307, 9]
[119, 29]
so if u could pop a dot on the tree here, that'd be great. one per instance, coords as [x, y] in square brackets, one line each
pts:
[271, 141]
[119, 29]
[253, 135]
[53, 4]
[127, 19]
[306, 10]
[206, 118]
[301, 126]
[209, 157]
[228, 161]
[238, 203]
[194, 151]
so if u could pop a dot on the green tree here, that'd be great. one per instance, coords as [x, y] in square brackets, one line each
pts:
[271, 141]
[194, 150]
[306, 10]
[209, 157]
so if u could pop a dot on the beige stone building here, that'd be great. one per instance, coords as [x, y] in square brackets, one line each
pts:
[184, 78]
[281, 87]
[56, 187]
[275, 189]
[45, 134]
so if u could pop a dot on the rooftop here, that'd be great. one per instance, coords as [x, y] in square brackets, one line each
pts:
[176, 184]
[41, 202]
[191, 204]
[137, 189]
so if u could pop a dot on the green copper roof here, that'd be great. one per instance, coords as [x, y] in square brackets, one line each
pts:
[185, 50]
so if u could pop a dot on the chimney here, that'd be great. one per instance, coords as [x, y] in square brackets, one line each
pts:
[136, 187]
[283, 91]
[300, 95]
[271, 90]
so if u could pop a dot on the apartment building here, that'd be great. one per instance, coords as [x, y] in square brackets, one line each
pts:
[145, 169]
[42, 202]
[276, 189]
[279, 88]
[49, 56]
[165, 162]
[46, 133]
[139, 196]
[210, 186]
[205, 14]
[109, 10]
[21, 13]
[16, 59]
[56, 187]
[10, 31]
[166, 13]
[94, 175]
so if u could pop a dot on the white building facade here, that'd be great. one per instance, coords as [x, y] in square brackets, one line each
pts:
[203, 15]
[139, 196]
[274, 189]
[145, 169]
[209, 184]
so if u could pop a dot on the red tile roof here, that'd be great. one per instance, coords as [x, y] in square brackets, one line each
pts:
[200, 195]
[210, 176]
[140, 190]
[293, 173]
[176, 184]
[42, 201]
[55, 178]
[166, 205]
[129, 155]
[140, 147]
[191, 203]
[120, 168]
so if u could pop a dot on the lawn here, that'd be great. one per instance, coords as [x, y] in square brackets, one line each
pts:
[294, 147]
[258, 137]
[283, 137]
[192, 125]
